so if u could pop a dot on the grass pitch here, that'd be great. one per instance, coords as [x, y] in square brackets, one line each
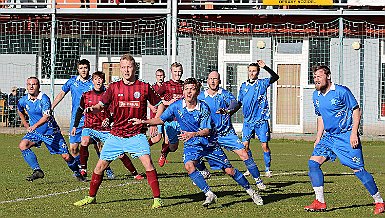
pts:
[286, 195]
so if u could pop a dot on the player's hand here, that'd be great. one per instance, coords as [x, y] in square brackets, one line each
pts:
[354, 140]
[261, 63]
[88, 109]
[185, 136]
[153, 131]
[106, 122]
[31, 128]
[73, 131]
[222, 111]
[135, 121]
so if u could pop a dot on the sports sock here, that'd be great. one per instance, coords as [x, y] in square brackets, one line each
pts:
[267, 160]
[249, 153]
[198, 179]
[201, 165]
[128, 164]
[165, 149]
[377, 198]
[368, 181]
[319, 194]
[252, 167]
[73, 164]
[31, 159]
[240, 179]
[150, 142]
[96, 180]
[84, 154]
[152, 179]
[315, 174]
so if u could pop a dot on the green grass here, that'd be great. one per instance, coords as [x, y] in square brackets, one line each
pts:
[287, 192]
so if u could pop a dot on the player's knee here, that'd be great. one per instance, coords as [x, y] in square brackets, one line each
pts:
[190, 167]
[229, 171]
[66, 157]
[173, 147]
[313, 165]
[85, 142]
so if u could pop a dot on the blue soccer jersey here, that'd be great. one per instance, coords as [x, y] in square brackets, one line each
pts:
[36, 109]
[189, 120]
[221, 99]
[336, 108]
[254, 100]
[77, 88]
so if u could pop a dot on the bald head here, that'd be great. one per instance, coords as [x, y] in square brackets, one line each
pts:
[213, 80]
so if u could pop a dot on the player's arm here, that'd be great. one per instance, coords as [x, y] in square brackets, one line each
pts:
[94, 108]
[233, 107]
[22, 116]
[78, 116]
[42, 120]
[356, 123]
[185, 136]
[320, 130]
[274, 76]
[58, 99]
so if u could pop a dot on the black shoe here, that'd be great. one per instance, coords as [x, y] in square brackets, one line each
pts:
[37, 174]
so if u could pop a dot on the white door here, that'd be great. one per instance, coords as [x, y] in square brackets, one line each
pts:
[111, 67]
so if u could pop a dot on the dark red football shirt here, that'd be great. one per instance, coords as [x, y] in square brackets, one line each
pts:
[156, 88]
[171, 89]
[91, 120]
[126, 102]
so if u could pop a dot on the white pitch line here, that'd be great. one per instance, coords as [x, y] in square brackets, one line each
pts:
[61, 193]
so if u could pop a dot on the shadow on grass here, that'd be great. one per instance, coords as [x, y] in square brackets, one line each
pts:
[348, 207]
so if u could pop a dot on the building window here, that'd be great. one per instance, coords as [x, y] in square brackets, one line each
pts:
[382, 91]
[319, 54]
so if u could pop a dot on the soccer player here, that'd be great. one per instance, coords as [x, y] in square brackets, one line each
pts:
[96, 126]
[337, 136]
[126, 99]
[253, 96]
[41, 127]
[222, 105]
[172, 91]
[194, 118]
[160, 75]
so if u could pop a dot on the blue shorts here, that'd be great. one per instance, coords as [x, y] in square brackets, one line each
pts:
[55, 143]
[77, 138]
[96, 135]
[260, 129]
[160, 129]
[230, 142]
[338, 145]
[214, 155]
[172, 130]
[114, 146]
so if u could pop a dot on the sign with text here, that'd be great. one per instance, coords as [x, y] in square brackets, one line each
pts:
[298, 2]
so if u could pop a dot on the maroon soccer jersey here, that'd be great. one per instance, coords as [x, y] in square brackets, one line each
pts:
[91, 120]
[171, 89]
[126, 102]
[156, 88]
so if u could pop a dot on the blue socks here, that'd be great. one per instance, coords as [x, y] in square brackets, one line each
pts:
[368, 181]
[252, 167]
[315, 174]
[267, 159]
[240, 179]
[198, 179]
[73, 163]
[30, 158]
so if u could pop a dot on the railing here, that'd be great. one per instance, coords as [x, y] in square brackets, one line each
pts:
[183, 4]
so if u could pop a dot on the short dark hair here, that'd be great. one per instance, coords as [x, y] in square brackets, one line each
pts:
[160, 70]
[99, 74]
[193, 81]
[326, 69]
[84, 62]
[254, 65]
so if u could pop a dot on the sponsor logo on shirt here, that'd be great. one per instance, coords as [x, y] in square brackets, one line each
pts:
[177, 96]
[133, 104]
[120, 94]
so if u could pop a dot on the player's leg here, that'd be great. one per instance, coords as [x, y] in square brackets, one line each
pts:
[30, 157]
[84, 154]
[353, 158]
[138, 146]
[247, 135]
[75, 141]
[263, 132]
[321, 153]
[130, 166]
[96, 181]
[172, 130]
[113, 147]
